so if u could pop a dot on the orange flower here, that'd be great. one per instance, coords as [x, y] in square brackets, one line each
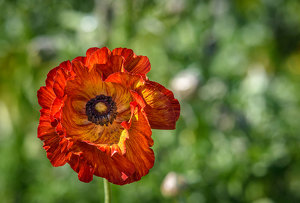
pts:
[97, 114]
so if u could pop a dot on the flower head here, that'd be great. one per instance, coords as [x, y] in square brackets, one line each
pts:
[97, 114]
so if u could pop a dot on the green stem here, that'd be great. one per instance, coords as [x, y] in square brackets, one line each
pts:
[107, 191]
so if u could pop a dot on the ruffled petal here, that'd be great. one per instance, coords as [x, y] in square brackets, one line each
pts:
[55, 111]
[91, 50]
[87, 83]
[174, 102]
[133, 63]
[159, 104]
[61, 77]
[88, 160]
[114, 64]
[51, 95]
[82, 59]
[46, 97]
[128, 80]
[55, 153]
[50, 76]
[76, 123]
[138, 145]
[162, 109]
[97, 56]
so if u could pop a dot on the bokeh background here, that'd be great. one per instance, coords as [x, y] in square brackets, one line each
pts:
[234, 65]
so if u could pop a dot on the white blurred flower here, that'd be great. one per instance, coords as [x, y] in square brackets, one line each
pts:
[186, 82]
[172, 185]
[88, 23]
[252, 94]
[256, 81]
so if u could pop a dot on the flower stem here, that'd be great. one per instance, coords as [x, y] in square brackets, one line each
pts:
[107, 191]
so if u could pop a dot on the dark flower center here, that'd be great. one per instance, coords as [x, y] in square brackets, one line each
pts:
[101, 110]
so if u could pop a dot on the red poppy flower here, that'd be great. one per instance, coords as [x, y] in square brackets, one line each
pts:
[97, 114]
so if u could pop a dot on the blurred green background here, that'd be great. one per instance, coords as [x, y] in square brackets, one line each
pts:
[234, 66]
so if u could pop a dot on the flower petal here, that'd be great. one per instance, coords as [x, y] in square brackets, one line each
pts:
[90, 160]
[162, 109]
[61, 78]
[138, 145]
[82, 59]
[46, 97]
[97, 56]
[133, 63]
[114, 64]
[52, 140]
[170, 95]
[50, 76]
[128, 80]
[91, 50]
[86, 84]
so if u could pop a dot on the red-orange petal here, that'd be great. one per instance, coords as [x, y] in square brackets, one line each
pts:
[133, 63]
[82, 59]
[97, 56]
[89, 161]
[55, 111]
[52, 140]
[87, 83]
[61, 77]
[114, 64]
[91, 50]
[170, 95]
[128, 80]
[50, 76]
[162, 109]
[46, 97]
[138, 145]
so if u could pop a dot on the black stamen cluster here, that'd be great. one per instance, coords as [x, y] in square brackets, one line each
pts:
[101, 118]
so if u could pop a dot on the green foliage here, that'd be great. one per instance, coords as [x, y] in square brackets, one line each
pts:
[237, 139]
